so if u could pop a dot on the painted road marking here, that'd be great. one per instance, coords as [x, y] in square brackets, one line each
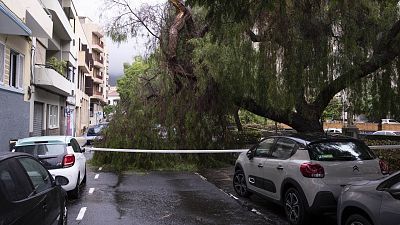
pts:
[100, 168]
[81, 213]
[97, 176]
[91, 190]
[203, 178]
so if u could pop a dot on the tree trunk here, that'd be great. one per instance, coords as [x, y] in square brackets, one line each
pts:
[237, 120]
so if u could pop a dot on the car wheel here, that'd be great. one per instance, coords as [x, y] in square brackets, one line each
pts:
[239, 184]
[76, 192]
[64, 215]
[357, 219]
[295, 206]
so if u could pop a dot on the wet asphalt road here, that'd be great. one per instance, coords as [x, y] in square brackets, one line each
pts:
[170, 198]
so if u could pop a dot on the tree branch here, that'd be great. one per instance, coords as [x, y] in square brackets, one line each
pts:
[141, 21]
[387, 49]
[254, 37]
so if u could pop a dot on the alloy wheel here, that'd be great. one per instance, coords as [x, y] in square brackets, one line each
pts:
[239, 183]
[292, 207]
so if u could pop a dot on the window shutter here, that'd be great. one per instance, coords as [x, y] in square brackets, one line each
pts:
[2, 55]
[20, 70]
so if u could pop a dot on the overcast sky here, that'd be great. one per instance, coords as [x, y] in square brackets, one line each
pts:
[118, 54]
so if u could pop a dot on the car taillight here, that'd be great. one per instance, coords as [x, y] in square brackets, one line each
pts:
[68, 160]
[384, 167]
[312, 170]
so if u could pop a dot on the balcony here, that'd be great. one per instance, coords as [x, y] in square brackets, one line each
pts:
[49, 79]
[98, 96]
[98, 62]
[61, 25]
[84, 61]
[97, 80]
[98, 46]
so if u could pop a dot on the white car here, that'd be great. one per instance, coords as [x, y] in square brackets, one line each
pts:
[333, 130]
[389, 121]
[387, 132]
[305, 173]
[61, 155]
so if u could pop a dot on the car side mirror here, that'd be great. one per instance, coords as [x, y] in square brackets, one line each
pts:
[83, 149]
[250, 154]
[61, 180]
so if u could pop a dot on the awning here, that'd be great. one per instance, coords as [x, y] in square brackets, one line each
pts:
[11, 24]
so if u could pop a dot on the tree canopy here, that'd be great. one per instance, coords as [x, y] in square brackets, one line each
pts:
[283, 60]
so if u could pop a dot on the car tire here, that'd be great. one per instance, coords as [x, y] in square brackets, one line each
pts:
[64, 218]
[239, 184]
[74, 194]
[295, 207]
[357, 219]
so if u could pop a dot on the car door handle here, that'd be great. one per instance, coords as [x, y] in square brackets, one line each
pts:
[279, 167]
[260, 165]
[44, 207]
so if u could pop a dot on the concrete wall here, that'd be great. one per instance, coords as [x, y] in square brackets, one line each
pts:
[14, 117]
[365, 126]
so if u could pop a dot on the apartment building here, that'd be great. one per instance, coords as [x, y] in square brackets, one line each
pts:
[20, 21]
[52, 102]
[96, 81]
[85, 64]
[113, 96]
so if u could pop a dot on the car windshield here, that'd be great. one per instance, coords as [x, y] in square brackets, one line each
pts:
[42, 149]
[340, 151]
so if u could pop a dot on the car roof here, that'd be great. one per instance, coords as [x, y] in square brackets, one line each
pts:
[46, 139]
[7, 155]
[307, 138]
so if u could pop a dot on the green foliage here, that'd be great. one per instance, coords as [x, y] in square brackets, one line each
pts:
[109, 109]
[169, 121]
[58, 65]
[334, 110]
[306, 45]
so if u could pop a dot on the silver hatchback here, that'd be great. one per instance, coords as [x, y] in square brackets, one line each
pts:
[371, 202]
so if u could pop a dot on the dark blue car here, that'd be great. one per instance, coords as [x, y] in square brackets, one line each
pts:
[28, 193]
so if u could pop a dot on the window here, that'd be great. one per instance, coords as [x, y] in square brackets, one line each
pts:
[284, 149]
[53, 116]
[37, 173]
[42, 149]
[264, 148]
[75, 146]
[13, 183]
[340, 151]
[2, 61]
[16, 69]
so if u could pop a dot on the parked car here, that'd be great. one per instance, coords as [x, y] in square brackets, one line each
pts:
[28, 193]
[61, 155]
[387, 132]
[374, 202]
[389, 121]
[305, 173]
[94, 133]
[333, 130]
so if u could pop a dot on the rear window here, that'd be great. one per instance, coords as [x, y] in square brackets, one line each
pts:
[42, 149]
[94, 131]
[340, 151]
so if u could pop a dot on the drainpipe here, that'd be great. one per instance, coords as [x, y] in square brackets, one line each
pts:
[33, 53]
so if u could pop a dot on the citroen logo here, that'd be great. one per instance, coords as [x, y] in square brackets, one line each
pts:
[355, 168]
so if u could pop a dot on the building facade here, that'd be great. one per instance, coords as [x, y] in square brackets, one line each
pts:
[97, 80]
[20, 22]
[52, 70]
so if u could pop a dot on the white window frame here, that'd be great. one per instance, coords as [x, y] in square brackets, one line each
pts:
[19, 80]
[53, 112]
[3, 69]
